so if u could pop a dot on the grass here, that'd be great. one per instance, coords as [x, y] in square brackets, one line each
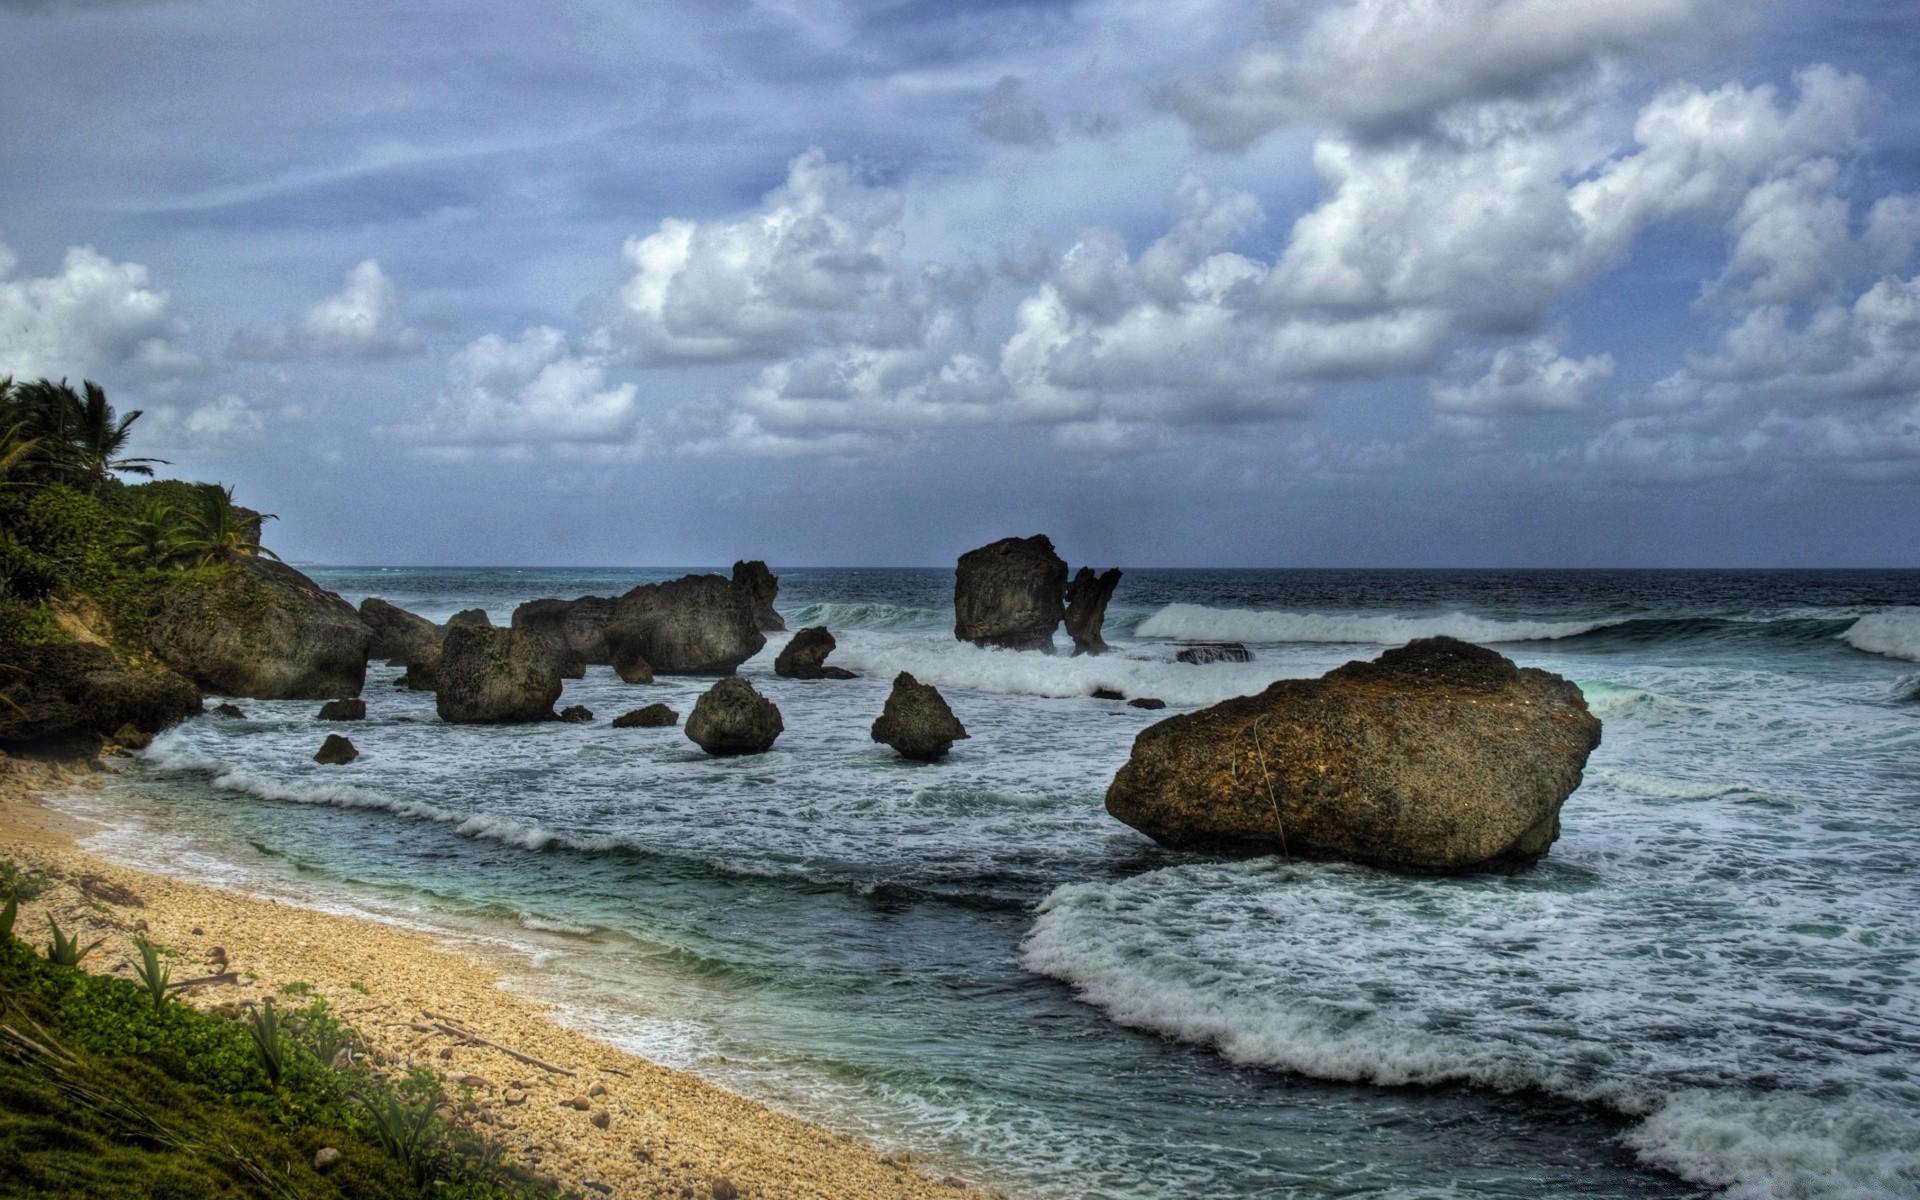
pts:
[107, 1091]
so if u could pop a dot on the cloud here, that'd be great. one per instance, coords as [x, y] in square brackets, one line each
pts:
[1007, 116]
[229, 422]
[96, 318]
[1532, 376]
[537, 388]
[365, 319]
[816, 264]
[1379, 67]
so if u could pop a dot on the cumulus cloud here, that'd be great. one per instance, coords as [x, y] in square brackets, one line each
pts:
[816, 264]
[95, 318]
[1532, 376]
[228, 422]
[1392, 66]
[365, 319]
[1007, 116]
[536, 388]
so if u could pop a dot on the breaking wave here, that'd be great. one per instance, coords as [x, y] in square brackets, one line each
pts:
[868, 615]
[1195, 622]
[1894, 633]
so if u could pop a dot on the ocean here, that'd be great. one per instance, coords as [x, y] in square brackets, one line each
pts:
[1711, 982]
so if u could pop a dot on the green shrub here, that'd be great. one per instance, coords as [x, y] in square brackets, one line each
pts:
[16, 884]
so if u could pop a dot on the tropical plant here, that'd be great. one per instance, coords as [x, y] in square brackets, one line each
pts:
[218, 530]
[263, 1024]
[8, 913]
[411, 1133]
[74, 437]
[152, 532]
[66, 951]
[152, 973]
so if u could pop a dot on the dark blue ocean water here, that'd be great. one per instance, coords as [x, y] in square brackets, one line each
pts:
[1710, 982]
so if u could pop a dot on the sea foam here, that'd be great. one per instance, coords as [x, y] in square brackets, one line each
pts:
[1195, 622]
[1894, 632]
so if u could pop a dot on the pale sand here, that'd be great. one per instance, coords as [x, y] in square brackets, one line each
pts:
[668, 1133]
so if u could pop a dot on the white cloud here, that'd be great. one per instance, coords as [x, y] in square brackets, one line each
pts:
[229, 422]
[366, 318]
[1007, 116]
[96, 318]
[537, 388]
[816, 264]
[1383, 66]
[1532, 376]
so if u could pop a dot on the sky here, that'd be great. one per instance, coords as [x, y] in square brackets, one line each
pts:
[1496, 283]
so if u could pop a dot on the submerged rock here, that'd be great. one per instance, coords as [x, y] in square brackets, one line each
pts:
[1202, 653]
[1438, 756]
[1087, 598]
[495, 676]
[354, 709]
[1148, 702]
[1104, 693]
[805, 656]
[336, 751]
[761, 587]
[653, 716]
[733, 718]
[1009, 594]
[694, 625]
[578, 625]
[576, 714]
[261, 629]
[397, 633]
[230, 711]
[916, 721]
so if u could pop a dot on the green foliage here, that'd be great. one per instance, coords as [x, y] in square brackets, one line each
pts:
[103, 1095]
[9, 912]
[62, 436]
[264, 1026]
[298, 987]
[152, 973]
[16, 884]
[54, 538]
[412, 1133]
[66, 951]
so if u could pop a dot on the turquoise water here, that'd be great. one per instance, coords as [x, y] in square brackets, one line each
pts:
[1710, 983]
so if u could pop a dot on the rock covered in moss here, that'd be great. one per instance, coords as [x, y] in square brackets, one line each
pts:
[1438, 756]
[732, 718]
[353, 709]
[576, 714]
[260, 628]
[336, 751]
[653, 716]
[489, 676]
[1010, 594]
[694, 625]
[63, 698]
[397, 634]
[916, 721]
[579, 626]
[805, 655]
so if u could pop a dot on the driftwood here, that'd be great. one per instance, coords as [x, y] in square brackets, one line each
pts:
[225, 977]
[448, 1026]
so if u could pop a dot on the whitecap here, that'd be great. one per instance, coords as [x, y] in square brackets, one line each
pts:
[1893, 632]
[1195, 622]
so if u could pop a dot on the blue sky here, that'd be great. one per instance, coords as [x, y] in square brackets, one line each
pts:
[1197, 282]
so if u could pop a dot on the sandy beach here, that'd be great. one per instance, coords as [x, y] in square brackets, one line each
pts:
[592, 1117]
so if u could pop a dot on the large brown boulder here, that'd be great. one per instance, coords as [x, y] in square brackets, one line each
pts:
[491, 676]
[1087, 598]
[61, 699]
[805, 655]
[579, 625]
[260, 628]
[1438, 756]
[471, 616]
[732, 718]
[1009, 594]
[916, 721]
[423, 669]
[397, 633]
[694, 625]
[761, 586]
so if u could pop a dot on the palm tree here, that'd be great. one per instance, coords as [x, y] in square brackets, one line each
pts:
[80, 437]
[153, 532]
[218, 530]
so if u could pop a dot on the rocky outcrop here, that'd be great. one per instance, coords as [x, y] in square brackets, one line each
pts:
[261, 629]
[653, 716]
[1087, 598]
[1202, 653]
[336, 751]
[732, 718]
[1009, 594]
[1438, 756]
[695, 625]
[424, 669]
[62, 699]
[916, 721]
[489, 676]
[805, 656]
[476, 617]
[580, 625]
[344, 710]
[761, 587]
[397, 633]
[576, 714]
[1150, 702]
[231, 712]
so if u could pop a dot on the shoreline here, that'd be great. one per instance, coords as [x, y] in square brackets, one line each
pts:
[647, 1131]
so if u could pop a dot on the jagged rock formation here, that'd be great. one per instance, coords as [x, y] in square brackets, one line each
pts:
[916, 721]
[1438, 756]
[732, 718]
[576, 714]
[491, 676]
[761, 587]
[805, 656]
[1010, 594]
[694, 625]
[336, 751]
[1087, 598]
[397, 633]
[580, 625]
[262, 629]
